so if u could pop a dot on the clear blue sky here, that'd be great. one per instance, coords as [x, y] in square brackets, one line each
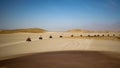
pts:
[60, 14]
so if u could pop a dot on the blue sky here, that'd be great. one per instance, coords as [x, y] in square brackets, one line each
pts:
[59, 15]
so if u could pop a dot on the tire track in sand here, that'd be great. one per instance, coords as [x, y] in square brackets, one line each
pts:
[76, 44]
[14, 43]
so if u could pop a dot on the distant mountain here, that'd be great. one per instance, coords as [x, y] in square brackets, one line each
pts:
[27, 30]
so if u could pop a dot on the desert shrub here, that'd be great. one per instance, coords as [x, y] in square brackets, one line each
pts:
[88, 35]
[61, 36]
[28, 39]
[80, 35]
[103, 35]
[98, 35]
[108, 35]
[113, 34]
[50, 36]
[71, 35]
[94, 35]
[118, 37]
[40, 38]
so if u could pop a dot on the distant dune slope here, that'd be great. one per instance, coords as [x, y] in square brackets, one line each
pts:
[27, 30]
[39, 30]
[98, 31]
[78, 30]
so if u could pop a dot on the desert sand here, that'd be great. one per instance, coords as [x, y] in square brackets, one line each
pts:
[15, 45]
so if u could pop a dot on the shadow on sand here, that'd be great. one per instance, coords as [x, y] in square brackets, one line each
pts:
[63, 59]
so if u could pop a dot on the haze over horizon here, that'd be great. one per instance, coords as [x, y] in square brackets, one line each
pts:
[58, 15]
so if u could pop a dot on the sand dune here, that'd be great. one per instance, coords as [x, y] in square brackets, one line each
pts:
[27, 30]
[92, 31]
[78, 30]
